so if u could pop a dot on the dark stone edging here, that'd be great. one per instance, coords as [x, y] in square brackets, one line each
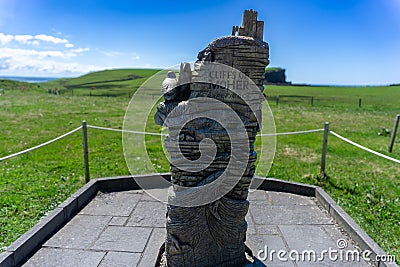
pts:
[25, 246]
[363, 240]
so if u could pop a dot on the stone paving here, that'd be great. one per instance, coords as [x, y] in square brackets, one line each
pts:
[128, 228]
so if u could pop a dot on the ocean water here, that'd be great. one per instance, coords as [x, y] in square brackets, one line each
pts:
[28, 79]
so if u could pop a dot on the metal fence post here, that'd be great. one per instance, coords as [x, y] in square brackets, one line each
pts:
[85, 150]
[324, 148]
[393, 135]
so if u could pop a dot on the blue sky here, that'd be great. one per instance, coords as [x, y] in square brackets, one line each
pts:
[344, 42]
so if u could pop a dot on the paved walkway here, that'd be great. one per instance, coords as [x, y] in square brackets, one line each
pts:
[127, 229]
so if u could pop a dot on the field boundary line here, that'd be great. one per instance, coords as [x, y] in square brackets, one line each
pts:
[41, 145]
[364, 148]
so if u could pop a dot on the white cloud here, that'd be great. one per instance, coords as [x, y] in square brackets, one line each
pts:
[43, 54]
[50, 39]
[33, 61]
[110, 53]
[80, 50]
[5, 38]
[18, 52]
[25, 55]
[23, 39]
[34, 40]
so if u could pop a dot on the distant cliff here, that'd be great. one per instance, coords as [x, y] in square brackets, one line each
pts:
[275, 76]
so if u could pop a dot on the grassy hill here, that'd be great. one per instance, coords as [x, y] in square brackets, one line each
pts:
[366, 186]
[6, 84]
[103, 83]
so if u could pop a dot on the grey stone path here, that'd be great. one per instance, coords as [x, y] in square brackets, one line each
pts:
[127, 229]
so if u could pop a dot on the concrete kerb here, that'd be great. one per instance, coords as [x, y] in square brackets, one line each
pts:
[25, 246]
[271, 184]
[362, 239]
[7, 259]
[30, 242]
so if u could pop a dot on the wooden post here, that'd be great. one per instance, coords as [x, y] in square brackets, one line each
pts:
[312, 101]
[85, 150]
[324, 148]
[277, 100]
[394, 131]
[359, 102]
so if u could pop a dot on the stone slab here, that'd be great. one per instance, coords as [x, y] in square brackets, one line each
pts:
[118, 221]
[317, 239]
[56, 257]
[313, 237]
[257, 195]
[122, 238]
[152, 249]
[120, 259]
[80, 232]
[267, 229]
[282, 199]
[149, 214]
[261, 247]
[114, 204]
[289, 215]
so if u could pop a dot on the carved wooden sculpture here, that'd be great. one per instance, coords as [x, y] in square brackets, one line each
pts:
[213, 234]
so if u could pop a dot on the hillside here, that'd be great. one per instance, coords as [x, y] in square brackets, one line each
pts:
[15, 85]
[121, 81]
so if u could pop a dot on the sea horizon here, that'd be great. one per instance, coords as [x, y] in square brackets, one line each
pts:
[28, 79]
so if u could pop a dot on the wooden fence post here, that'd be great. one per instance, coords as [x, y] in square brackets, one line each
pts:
[359, 102]
[394, 131]
[312, 101]
[85, 151]
[324, 149]
[277, 100]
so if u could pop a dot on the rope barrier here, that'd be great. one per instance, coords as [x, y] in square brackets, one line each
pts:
[364, 148]
[290, 133]
[124, 131]
[160, 134]
[41, 145]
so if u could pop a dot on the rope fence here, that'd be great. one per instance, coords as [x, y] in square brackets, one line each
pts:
[41, 145]
[125, 131]
[85, 144]
[364, 148]
[292, 133]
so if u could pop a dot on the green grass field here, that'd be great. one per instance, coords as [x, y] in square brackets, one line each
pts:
[366, 186]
